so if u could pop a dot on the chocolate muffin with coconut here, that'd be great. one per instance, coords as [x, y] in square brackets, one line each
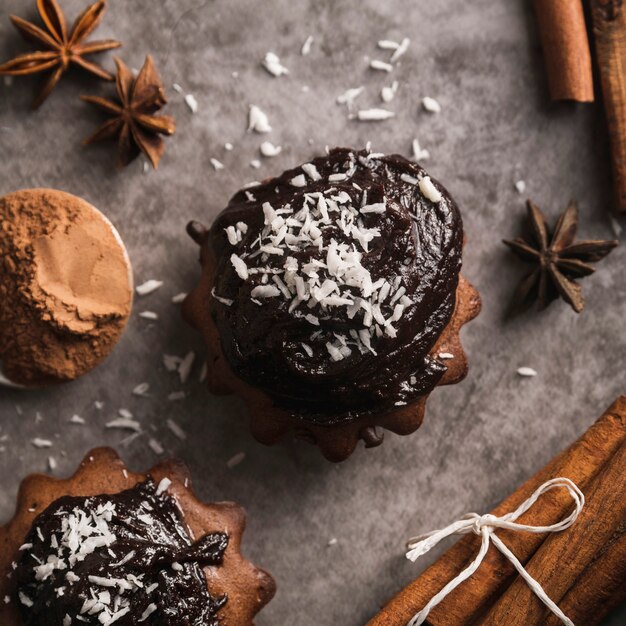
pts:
[111, 547]
[331, 299]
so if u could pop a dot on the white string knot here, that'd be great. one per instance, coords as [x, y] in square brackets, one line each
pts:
[485, 526]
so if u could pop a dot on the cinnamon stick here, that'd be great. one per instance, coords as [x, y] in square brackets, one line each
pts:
[563, 557]
[600, 588]
[565, 43]
[581, 462]
[609, 27]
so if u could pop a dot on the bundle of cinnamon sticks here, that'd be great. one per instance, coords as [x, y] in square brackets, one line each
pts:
[583, 569]
[567, 52]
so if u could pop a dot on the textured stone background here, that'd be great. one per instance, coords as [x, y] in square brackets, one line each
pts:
[480, 439]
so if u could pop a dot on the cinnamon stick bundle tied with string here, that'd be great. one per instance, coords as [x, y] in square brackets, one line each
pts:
[469, 603]
[566, 50]
[563, 558]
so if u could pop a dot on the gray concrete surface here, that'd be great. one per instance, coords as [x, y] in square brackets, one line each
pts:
[481, 60]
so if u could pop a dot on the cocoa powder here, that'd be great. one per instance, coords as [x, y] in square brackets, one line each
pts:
[65, 287]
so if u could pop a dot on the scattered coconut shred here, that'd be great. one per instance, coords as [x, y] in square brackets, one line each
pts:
[375, 64]
[192, 103]
[268, 149]
[387, 93]
[148, 287]
[272, 64]
[373, 115]
[307, 45]
[349, 96]
[527, 372]
[257, 120]
[419, 153]
[431, 105]
[217, 165]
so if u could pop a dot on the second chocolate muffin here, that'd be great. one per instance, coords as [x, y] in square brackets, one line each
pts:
[331, 301]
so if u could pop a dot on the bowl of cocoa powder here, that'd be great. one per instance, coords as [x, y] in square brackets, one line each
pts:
[66, 288]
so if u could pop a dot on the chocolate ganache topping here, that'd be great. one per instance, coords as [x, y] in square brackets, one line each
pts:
[334, 281]
[123, 559]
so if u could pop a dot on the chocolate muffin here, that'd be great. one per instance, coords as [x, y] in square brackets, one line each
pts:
[331, 299]
[109, 546]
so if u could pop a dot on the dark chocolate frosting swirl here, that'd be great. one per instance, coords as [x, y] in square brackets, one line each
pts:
[119, 559]
[334, 281]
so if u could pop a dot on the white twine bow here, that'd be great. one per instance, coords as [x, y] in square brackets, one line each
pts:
[484, 526]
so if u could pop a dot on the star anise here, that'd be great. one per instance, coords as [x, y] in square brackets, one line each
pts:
[134, 124]
[61, 48]
[558, 259]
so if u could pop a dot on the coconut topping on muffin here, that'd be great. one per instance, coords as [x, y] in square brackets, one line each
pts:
[335, 280]
[117, 559]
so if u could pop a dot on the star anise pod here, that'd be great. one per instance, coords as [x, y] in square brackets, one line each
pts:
[558, 259]
[61, 48]
[134, 124]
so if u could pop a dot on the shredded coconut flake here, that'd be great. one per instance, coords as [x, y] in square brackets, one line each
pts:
[235, 460]
[141, 389]
[419, 153]
[298, 181]
[387, 94]
[240, 266]
[272, 64]
[265, 291]
[185, 367]
[381, 66]
[38, 442]
[124, 423]
[379, 207]
[163, 486]
[374, 115]
[401, 49]
[431, 105]
[350, 95]
[148, 287]
[311, 171]
[156, 447]
[171, 362]
[224, 301]
[258, 121]
[176, 429]
[268, 149]
[306, 46]
[429, 190]
[526, 372]
[409, 179]
[387, 44]
[192, 103]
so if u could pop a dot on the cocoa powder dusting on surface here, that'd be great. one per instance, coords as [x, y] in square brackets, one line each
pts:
[65, 287]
